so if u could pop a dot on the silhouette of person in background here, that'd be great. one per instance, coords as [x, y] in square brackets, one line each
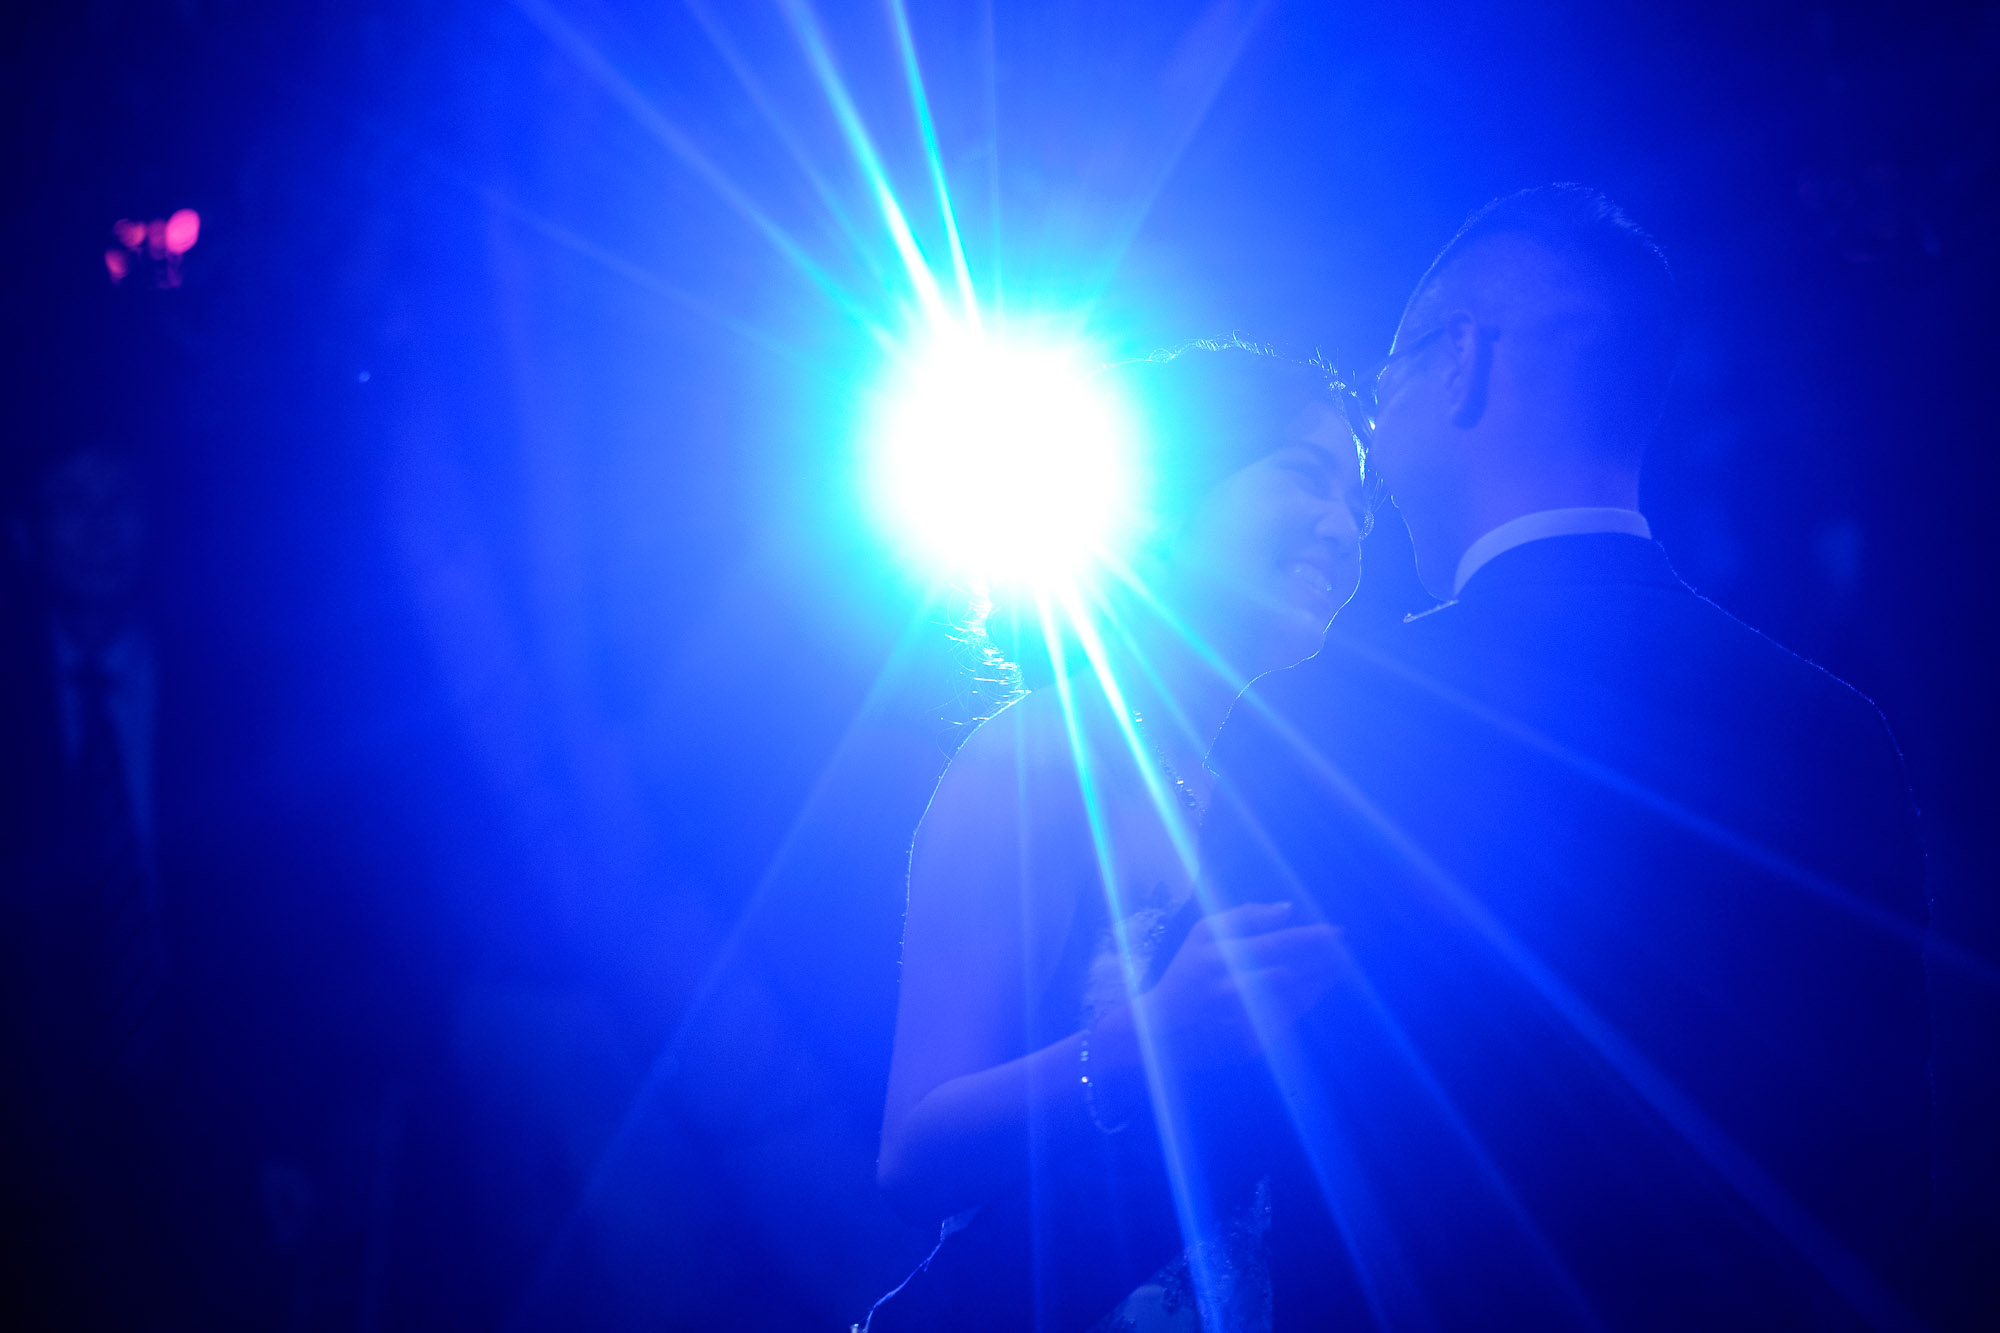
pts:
[88, 1009]
[209, 1033]
[1635, 1035]
[86, 539]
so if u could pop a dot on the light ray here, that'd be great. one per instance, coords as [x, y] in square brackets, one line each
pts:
[626, 269]
[1834, 1262]
[996, 267]
[1192, 1206]
[1342, 1180]
[913, 74]
[1710, 830]
[812, 40]
[1638, 793]
[1387, 1285]
[1338, 1173]
[1373, 1252]
[1236, 31]
[1164, 805]
[610, 261]
[1838, 1266]
[676, 141]
[1205, 653]
[767, 107]
[665, 1061]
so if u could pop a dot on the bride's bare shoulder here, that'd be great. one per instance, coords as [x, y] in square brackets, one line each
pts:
[1019, 764]
[1034, 739]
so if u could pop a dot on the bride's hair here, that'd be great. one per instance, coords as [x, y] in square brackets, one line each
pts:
[1209, 408]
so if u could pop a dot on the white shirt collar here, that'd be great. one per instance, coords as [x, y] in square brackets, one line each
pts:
[1547, 523]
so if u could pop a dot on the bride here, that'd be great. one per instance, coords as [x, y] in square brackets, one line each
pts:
[1056, 963]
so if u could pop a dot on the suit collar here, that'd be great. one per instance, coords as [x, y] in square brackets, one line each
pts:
[1575, 521]
[1600, 557]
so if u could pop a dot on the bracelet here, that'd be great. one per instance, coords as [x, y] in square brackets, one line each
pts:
[1090, 1090]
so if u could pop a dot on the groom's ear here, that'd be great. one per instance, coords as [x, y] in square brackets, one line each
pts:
[1469, 368]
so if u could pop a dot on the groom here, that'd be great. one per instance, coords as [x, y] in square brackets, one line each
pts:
[1634, 1031]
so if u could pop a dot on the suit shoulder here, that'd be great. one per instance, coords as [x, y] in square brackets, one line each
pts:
[1818, 693]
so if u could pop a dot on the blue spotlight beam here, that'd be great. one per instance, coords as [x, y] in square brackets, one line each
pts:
[593, 62]
[913, 74]
[1165, 807]
[1220, 33]
[1834, 1262]
[767, 107]
[1191, 1201]
[624, 268]
[505, 205]
[1695, 823]
[989, 68]
[1822, 1250]
[660, 1071]
[812, 40]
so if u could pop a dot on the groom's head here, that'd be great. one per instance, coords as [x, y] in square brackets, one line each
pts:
[1528, 371]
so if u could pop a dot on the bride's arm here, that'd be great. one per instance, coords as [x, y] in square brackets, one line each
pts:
[999, 860]
[993, 878]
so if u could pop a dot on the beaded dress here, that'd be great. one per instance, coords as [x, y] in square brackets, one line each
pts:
[1235, 1256]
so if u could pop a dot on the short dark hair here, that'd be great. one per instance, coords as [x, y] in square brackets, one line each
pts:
[1609, 265]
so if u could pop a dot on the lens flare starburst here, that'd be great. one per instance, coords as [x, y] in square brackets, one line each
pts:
[1004, 460]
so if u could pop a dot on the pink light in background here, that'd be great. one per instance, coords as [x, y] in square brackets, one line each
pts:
[163, 240]
[182, 230]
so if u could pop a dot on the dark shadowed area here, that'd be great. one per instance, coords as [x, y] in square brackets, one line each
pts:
[538, 724]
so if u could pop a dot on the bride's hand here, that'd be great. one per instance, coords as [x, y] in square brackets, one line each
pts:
[1199, 1006]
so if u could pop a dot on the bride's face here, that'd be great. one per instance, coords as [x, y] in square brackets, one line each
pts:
[1274, 550]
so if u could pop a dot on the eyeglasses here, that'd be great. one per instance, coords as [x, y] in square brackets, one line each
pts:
[1361, 401]
[1361, 406]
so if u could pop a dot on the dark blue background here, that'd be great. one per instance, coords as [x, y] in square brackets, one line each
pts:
[562, 724]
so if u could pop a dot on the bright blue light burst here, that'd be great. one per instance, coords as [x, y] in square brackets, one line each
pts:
[1004, 460]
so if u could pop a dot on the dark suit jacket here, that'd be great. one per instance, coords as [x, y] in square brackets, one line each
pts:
[1635, 1034]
